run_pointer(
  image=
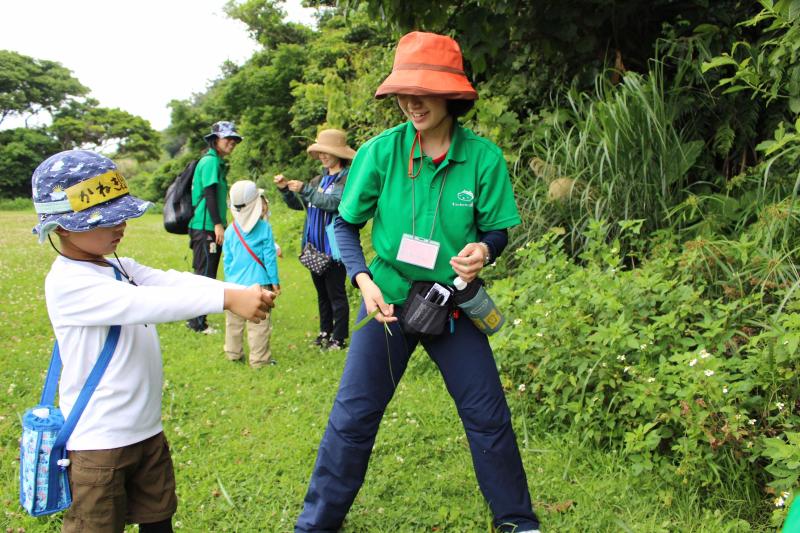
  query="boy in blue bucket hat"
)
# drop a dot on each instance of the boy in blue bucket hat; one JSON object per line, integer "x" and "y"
{"x": 120, "y": 469}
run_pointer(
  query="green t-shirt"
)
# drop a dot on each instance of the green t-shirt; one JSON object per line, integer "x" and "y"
{"x": 210, "y": 169}
{"x": 476, "y": 197}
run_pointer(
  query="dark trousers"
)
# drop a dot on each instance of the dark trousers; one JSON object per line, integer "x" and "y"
{"x": 334, "y": 310}
{"x": 205, "y": 262}
{"x": 467, "y": 365}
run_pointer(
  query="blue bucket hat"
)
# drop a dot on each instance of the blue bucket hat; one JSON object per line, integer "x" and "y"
{"x": 222, "y": 130}
{"x": 79, "y": 191}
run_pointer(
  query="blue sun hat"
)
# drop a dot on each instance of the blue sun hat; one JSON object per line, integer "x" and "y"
{"x": 80, "y": 190}
{"x": 222, "y": 130}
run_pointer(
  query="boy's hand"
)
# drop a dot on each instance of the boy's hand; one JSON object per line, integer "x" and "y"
{"x": 276, "y": 289}
{"x": 251, "y": 304}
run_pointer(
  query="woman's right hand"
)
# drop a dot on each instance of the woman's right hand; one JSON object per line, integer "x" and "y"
{"x": 373, "y": 299}
{"x": 280, "y": 181}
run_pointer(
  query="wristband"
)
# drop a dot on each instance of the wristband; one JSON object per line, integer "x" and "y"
{"x": 486, "y": 253}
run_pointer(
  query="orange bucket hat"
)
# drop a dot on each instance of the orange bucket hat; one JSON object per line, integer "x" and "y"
{"x": 428, "y": 64}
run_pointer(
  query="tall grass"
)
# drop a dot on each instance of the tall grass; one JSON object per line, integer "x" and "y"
{"x": 614, "y": 155}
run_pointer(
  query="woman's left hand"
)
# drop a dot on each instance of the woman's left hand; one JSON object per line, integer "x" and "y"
{"x": 469, "y": 261}
{"x": 295, "y": 185}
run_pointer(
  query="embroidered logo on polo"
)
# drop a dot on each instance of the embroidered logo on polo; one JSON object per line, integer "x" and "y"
{"x": 465, "y": 199}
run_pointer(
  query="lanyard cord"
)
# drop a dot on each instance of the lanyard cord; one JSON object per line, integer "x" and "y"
{"x": 104, "y": 261}
{"x": 414, "y": 208}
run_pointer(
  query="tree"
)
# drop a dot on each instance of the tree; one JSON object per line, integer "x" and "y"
{"x": 85, "y": 125}
{"x": 21, "y": 151}
{"x": 29, "y": 85}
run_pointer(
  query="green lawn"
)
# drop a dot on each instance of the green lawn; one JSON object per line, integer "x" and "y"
{"x": 244, "y": 441}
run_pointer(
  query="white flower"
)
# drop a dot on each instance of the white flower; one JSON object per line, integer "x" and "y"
{"x": 724, "y": 390}
{"x": 521, "y": 387}
{"x": 709, "y": 373}
{"x": 604, "y": 365}
{"x": 549, "y": 276}
{"x": 785, "y": 343}
{"x": 651, "y": 380}
{"x": 540, "y": 334}
{"x": 779, "y": 405}
{"x": 643, "y": 346}
{"x": 626, "y": 369}
{"x": 693, "y": 362}
{"x": 399, "y": 459}
{"x": 752, "y": 421}
{"x": 538, "y": 300}
{"x": 704, "y": 354}
{"x": 620, "y": 358}
{"x": 779, "y": 502}
{"x": 517, "y": 321}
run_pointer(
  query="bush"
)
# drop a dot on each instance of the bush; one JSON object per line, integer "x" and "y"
{"x": 643, "y": 360}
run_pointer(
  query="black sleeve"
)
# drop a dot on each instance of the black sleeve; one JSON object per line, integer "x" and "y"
{"x": 347, "y": 237}
{"x": 496, "y": 240}
{"x": 293, "y": 201}
{"x": 210, "y": 194}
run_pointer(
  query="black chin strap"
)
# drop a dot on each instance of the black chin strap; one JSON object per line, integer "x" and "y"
{"x": 103, "y": 262}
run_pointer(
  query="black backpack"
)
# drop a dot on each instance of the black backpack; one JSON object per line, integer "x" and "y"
{"x": 178, "y": 208}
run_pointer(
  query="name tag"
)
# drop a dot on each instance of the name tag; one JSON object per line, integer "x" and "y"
{"x": 417, "y": 251}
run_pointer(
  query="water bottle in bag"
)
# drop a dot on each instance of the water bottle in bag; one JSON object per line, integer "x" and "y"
{"x": 473, "y": 299}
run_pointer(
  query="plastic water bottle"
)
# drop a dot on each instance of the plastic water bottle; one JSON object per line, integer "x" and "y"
{"x": 479, "y": 307}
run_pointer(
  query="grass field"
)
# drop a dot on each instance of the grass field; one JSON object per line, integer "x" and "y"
{"x": 244, "y": 441}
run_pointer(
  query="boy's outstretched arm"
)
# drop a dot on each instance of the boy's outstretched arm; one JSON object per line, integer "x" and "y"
{"x": 251, "y": 303}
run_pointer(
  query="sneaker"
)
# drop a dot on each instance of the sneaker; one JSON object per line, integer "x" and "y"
{"x": 337, "y": 344}
{"x": 196, "y": 325}
{"x": 209, "y": 331}
{"x": 322, "y": 339}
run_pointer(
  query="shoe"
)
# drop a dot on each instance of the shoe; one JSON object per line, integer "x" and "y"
{"x": 209, "y": 331}
{"x": 322, "y": 339}
{"x": 197, "y": 324}
{"x": 337, "y": 344}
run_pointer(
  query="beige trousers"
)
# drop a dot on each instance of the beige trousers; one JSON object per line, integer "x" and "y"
{"x": 257, "y": 339}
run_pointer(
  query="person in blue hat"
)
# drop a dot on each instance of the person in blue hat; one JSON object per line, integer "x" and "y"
{"x": 120, "y": 467}
{"x": 209, "y": 197}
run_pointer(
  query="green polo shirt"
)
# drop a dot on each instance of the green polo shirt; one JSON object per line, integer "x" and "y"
{"x": 210, "y": 169}
{"x": 476, "y": 197}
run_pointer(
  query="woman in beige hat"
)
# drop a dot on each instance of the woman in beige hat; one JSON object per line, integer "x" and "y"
{"x": 320, "y": 198}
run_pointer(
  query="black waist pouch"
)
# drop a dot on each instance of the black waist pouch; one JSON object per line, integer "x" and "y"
{"x": 422, "y": 316}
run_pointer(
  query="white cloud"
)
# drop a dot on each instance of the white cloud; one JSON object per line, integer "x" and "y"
{"x": 133, "y": 55}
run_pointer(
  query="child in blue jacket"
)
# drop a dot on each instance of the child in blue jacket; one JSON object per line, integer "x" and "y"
{"x": 249, "y": 257}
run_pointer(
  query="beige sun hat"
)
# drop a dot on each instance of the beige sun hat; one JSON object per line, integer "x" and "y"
{"x": 332, "y": 142}
{"x": 246, "y": 204}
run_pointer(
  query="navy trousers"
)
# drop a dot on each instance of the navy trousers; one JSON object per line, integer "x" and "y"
{"x": 467, "y": 365}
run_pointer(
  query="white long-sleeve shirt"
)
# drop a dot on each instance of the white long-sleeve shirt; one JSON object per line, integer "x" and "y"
{"x": 83, "y": 301}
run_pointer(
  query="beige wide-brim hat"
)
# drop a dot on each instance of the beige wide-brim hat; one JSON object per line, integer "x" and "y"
{"x": 332, "y": 142}
{"x": 246, "y": 203}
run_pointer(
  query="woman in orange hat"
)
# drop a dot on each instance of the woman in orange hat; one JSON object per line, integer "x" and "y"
{"x": 441, "y": 202}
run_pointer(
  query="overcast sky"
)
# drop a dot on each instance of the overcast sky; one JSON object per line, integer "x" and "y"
{"x": 135, "y": 55}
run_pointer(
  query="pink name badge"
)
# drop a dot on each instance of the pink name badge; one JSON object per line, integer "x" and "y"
{"x": 417, "y": 251}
